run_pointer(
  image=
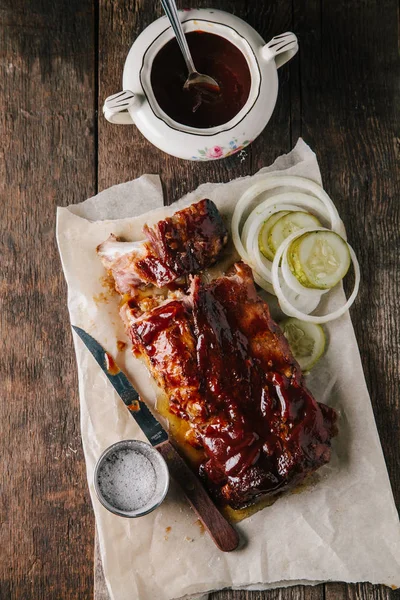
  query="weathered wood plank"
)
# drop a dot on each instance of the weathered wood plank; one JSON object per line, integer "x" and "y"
{"x": 124, "y": 153}
{"x": 359, "y": 591}
{"x": 350, "y": 115}
{"x": 47, "y": 158}
{"x": 349, "y": 73}
{"x": 340, "y": 94}
{"x": 297, "y": 592}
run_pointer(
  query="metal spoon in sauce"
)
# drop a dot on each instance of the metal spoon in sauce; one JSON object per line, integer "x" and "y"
{"x": 204, "y": 85}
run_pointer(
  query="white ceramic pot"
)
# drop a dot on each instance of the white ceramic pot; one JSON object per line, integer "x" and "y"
{"x": 137, "y": 103}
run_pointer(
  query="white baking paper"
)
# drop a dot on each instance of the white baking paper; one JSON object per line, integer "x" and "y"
{"x": 343, "y": 528}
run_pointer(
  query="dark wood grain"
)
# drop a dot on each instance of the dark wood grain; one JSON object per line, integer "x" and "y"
{"x": 294, "y": 593}
{"x": 350, "y": 114}
{"x": 47, "y": 157}
{"x": 340, "y": 93}
{"x": 320, "y": 66}
{"x": 359, "y": 591}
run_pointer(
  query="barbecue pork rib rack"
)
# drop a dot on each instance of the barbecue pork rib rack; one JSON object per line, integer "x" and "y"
{"x": 224, "y": 364}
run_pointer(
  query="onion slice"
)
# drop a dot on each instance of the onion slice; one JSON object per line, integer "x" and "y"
{"x": 299, "y": 202}
{"x": 276, "y": 181}
{"x": 293, "y": 283}
{"x": 316, "y": 200}
{"x": 262, "y": 266}
{"x": 250, "y": 235}
{"x": 259, "y": 262}
{"x": 265, "y": 285}
{"x": 301, "y": 302}
{"x": 285, "y": 303}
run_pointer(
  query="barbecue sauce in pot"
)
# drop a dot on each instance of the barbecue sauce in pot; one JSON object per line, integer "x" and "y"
{"x": 213, "y": 55}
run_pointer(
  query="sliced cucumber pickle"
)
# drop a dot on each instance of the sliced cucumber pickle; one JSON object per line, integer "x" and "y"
{"x": 319, "y": 259}
{"x": 264, "y": 233}
{"x": 288, "y": 224}
{"x": 306, "y": 341}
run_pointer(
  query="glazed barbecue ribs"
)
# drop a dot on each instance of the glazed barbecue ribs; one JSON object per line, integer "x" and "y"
{"x": 185, "y": 243}
{"x": 227, "y": 370}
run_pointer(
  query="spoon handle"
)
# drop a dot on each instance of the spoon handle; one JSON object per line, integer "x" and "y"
{"x": 171, "y": 11}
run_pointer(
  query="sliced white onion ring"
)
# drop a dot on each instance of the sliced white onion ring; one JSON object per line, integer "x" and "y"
{"x": 293, "y": 283}
{"x": 304, "y": 299}
{"x": 272, "y": 182}
{"x": 262, "y": 266}
{"x": 301, "y": 302}
{"x": 304, "y": 304}
{"x": 259, "y": 262}
{"x": 285, "y": 303}
{"x": 265, "y": 285}
{"x": 301, "y": 201}
{"x": 250, "y": 234}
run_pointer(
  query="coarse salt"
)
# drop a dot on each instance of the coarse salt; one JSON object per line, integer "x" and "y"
{"x": 127, "y": 480}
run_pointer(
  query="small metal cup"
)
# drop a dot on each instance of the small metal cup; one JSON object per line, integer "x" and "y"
{"x": 161, "y": 474}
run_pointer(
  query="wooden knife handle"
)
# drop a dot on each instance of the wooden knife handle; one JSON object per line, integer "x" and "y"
{"x": 222, "y": 532}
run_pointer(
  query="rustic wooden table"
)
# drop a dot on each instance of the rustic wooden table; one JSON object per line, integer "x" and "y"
{"x": 59, "y": 60}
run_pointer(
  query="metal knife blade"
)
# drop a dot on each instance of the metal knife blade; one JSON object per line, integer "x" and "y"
{"x": 152, "y": 428}
{"x": 222, "y": 532}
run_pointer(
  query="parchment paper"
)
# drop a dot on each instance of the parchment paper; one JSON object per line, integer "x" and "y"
{"x": 344, "y": 527}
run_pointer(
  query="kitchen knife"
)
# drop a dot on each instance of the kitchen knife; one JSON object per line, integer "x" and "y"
{"x": 223, "y": 534}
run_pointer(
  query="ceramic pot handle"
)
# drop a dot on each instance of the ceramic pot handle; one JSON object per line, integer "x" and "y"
{"x": 115, "y": 108}
{"x": 281, "y": 48}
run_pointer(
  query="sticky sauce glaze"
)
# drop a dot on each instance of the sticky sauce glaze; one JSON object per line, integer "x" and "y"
{"x": 236, "y": 391}
{"x": 111, "y": 366}
{"x": 213, "y": 55}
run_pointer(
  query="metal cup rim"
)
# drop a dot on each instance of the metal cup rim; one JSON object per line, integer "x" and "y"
{"x": 137, "y": 445}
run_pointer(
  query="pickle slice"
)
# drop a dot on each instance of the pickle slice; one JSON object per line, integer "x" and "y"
{"x": 306, "y": 340}
{"x": 288, "y": 224}
{"x": 264, "y": 233}
{"x": 319, "y": 259}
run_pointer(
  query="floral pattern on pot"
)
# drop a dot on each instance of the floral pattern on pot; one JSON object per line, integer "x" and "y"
{"x": 215, "y": 152}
